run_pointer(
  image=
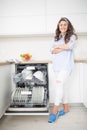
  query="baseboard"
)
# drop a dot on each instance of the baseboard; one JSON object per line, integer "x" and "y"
{"x": 71, "y": 104}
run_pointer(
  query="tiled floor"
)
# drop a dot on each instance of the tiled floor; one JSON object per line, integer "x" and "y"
{"x": 76, "y": 119}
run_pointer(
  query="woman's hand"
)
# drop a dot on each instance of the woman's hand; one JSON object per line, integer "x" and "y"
{"x": 59, "y": 48}
{"x": 56, "y": 50}
{"x": 64, "y": 46}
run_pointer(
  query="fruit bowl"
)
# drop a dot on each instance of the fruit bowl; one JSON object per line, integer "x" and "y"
{"x": 26, "y": 56}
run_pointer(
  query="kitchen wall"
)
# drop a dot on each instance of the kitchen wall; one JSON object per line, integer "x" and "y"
{"x": 38, "y": 46}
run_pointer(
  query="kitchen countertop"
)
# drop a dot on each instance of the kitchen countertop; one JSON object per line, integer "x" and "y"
{"x": 25, "y": 62}
{"x": 39, "y": 61}
{"x": 81, "y": 60}
{"x": 4, "y": 63}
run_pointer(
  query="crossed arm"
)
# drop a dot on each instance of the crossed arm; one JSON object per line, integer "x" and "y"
{"x": 60, "y": 48}
{"x": 69, "y": 46}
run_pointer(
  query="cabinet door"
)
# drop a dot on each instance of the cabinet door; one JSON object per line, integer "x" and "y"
{"x": 22, "y": 18}
{"x": 5, "y": 88}
{"x": 84, "y": 82}
{"x": 54, "y": 10}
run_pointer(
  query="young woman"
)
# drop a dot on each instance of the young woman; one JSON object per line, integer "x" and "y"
{"x": 63, "y": 62}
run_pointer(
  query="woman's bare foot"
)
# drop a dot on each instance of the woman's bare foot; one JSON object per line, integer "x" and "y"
{"x": 66, "y": 107}
{"x": 55, "y": 109}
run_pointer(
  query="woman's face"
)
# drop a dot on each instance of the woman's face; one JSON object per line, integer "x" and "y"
{"x": 63, "y": 26}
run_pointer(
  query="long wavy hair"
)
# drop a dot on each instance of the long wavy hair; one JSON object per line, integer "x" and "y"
{"x": 70, "y": 31}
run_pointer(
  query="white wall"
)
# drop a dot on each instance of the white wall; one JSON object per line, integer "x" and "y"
{"x": 38, "y": 46}
{"x": 40, "y": 16}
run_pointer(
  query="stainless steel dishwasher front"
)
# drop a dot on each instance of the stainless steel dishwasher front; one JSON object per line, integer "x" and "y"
{"x": 31, "y": 92}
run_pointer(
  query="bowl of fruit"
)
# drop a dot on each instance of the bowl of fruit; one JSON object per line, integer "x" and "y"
{"x": 25, "y": 56}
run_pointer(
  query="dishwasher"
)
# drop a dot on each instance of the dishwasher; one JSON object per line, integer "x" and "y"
{"x": 31, "y": 91}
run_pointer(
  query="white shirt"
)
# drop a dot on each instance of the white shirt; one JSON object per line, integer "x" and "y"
{"x": 63, "y": 60}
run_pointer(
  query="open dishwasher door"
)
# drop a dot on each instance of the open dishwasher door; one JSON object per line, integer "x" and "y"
{"x": 31, "y": 93}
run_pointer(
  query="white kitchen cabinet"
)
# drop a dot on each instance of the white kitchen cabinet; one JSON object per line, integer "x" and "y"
{"x": 72, "y": 83}
{"x": 5, "y": 87}
{"x": 22, "y": 17}
{"x": 83, "y": 82}
{"x": 53, "y": 19}
{"x": 56, "y": 9}
{"x": 40, "y": 16}
{"x": 33, "y": 24}
{"x": 60, "y": 7}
